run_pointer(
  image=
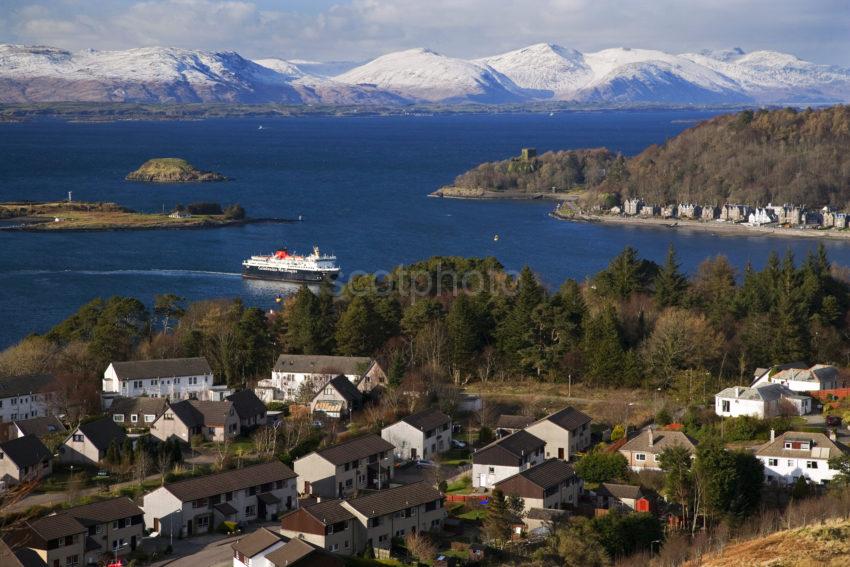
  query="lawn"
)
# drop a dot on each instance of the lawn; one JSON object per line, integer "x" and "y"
{"x": 474, "y": 515}
{"x": 455, "y": 457}
{"x": 463, "y": 485}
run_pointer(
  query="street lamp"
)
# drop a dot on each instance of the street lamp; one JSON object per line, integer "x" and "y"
{"x": 171, "y": 526}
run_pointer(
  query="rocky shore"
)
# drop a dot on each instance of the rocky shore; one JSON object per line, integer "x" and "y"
{"x": 172, "y": 170}
{"x": 486, "y": 194}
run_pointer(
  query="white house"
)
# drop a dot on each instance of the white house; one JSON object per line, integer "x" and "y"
{"x": 506, "y": 457}
{"x": 794, "y": 454}
{"x": 172, "y": 378}
{"x": 761, "y": 216}
{"x": 763, "y": 401}
{"x": 292, "y": 371}
{"x": 421, "y": 435}
{"x": 251, "y": 549}
{"x": 798, "y": 378}
{"x": 25, "y": 397}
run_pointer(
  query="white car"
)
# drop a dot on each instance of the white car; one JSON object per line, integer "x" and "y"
{"x": 458, "y": 444}
{"x": 423, "y": 463}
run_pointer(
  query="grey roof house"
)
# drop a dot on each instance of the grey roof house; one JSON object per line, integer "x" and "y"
{"x": 89, "y": 442}
{"x": 345, "y": 468}
{"x": 421, "y": 435}
{"x": 23, "y": 459}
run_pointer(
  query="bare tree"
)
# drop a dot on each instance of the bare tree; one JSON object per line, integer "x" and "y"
{"x": 265, "y": 441}
{"x": 222, "y": 453}
{"x": 420, "y": 546}
{"x": 163, "y": 463}
{"x": 141, "y": 466}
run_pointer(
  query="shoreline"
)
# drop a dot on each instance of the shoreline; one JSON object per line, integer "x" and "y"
{"x": 716, "y": 228}
{"x": 43, "y": 226}
{"x": 463, "y": 193}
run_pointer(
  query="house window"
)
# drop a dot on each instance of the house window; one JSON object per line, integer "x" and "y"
{"x": 250, "y": 510}
{"x": 726, "y": 407}
{"x": 149, "y": 418}
{"x": 203, "y": 522}
{"x": 640, "y": 457}
{"x": 811, "y": 464}
{"x": 78, "y": 437}
{"x": 773, "y": 462}
{"x": 329, "y": 391}
{"x": 491, "y": 470}
{"x": 134, "y": 418}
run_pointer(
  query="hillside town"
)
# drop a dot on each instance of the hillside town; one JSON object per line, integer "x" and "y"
{"x": 308, "y": 468}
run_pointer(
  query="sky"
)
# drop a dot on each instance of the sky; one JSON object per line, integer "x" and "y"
{"x": 358, "y": 30}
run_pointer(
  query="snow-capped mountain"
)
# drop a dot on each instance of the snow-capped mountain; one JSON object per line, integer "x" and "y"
{"x": 424, "y": 75}
{"x": 535, "y": 73}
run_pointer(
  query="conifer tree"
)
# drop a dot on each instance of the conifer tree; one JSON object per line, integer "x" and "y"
{"x": 302, "y": 329}
{"x": 497, "y": 522}
{"x": 602, "y": 347}
{"x": 464, "y": 337}
{"x": 670, "y": 284}
{"x": 514, "y": 331}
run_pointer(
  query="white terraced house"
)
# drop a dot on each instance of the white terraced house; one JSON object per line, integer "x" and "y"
{"x": 173, "y": 378}
{"x": 764, "y": 401}
{"x": 794, "y": 454}
{"x": 292, "y": 371}
{"x": 795, "y": 376}
{"x": 25, "y": 397}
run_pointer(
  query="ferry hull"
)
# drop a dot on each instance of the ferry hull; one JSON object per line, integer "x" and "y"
{"x": 255, "y": 273}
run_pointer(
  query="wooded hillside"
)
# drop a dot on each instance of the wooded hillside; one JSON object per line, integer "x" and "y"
{"x": 751, "y": 157}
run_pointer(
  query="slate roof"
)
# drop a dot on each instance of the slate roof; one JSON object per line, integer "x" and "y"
{"x": 568, "y": 418}
{"x": 25, "y": 384}
{"x": 56, "y": 526}
{"x": 391, "y": 500}
{"x": 41, "y": 426}
{"x": 661, "y": 440}
{"x": 621, "y": 491}
{"x": 142, "y": 405}
{"x": 316, "y": 364}
{"x": 228, "y": 481}
{"x": 545, "y": 514}
{"x": 104, "y": 511}
{"x": 762, "y": 392}
{"x": 25, "y": 451}
{"x": 508, "y": 450}
{"x": 507, "y": 421}
{"x": 328, "y": 511}
{"x": 822, "y": 446}
{"x": 547, "y": 474}
{"x": 816, "y": 374}
{"x": 427, "y": 419}
{"x": 196, "y": 413}
{"x": 297, "y": 552}
{"x": 357, "y": 448}
{"x": 101, "y": 432}
{"x": 247, "y": 404}
{"x": 345, "y": 388}
{"x": 164, "y": 368}
{"x": 257, "y": 541}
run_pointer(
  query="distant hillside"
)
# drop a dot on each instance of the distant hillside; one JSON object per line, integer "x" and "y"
{"x": 824, "y": 545}
{"x": 777, "y": 156}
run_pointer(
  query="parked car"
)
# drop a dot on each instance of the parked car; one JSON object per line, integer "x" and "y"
{"x": 458, "y": 444}
{"x": 424, "y": 463}
{"x": 833, "y": 421}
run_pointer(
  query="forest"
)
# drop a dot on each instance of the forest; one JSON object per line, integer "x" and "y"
{"x": 457, "y": 321}
{"x": 751, "y": 157}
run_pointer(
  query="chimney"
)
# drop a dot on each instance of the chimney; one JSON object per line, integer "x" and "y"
{"x": 772, "y": 435}
{"x": 651, "y": 436}
{"x": 737, "y": 391}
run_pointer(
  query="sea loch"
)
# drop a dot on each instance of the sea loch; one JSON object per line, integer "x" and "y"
{"x": 360, "y": 185}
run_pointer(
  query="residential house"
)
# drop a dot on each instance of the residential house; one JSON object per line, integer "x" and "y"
{"x": 613, "y": 496}
{"x": 551, "y": 484}
{"x": 761, "y": 216}
{"x": 250, "y": 409}
{"x": 199, "y": 505}
{"x": 374, "y": 378}
{"x": 632, "y": 207}
{"x": 566, "y": 432}
{"x": 299, "y": 553}
{"x": 340, "y": 470}
{"x": 41, "y": 427}
{"x": 734, "y": 213}
{"x": 689, "y": 211}
{"x": 214, "y": 421}
{"x": 337, "y": 399}
{"x": 709, "y": 213}
{"x": 136, "y": 412}
{"x": 818, "y": 377}
{"x": 394, "y": 513}
{"x": 324, "y": 523}
{"x": 794, "y": 454}
{"x": 24, "y": 459}
{"x": 297, "y": 375}
{"x": 50, "y": 541}
{"x": 507, "y": 424}
{"x": 88, "y": 443}
{"x": 649, "y": 211}
{"x": 25, "y": 397}
{"x": 763, "y": 401}
{"x": 669, "y": 211}
{"x": 506, "y": 457}
{"x": 250, "y": 550}
{"x": 114, "y": 527}
{"x": 642, "y": 450}
{"x": 172, "y": 378}
{"x": 421, "y": 435}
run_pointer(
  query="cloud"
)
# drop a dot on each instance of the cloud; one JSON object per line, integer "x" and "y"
{"x": 361, "y": 29}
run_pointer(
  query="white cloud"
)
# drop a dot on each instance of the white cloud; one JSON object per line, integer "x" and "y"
{"x": 360, "y": 29}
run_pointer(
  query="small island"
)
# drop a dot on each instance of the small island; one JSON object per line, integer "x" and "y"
{"x": 83, "y": 216}
{"x": 172, "y": 170}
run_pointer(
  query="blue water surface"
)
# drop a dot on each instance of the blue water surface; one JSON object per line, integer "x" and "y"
{"x": 359, "y": 183}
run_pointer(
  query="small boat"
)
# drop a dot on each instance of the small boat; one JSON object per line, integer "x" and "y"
{"x": 260, "y": 127}
{"x": 496, "y": 238}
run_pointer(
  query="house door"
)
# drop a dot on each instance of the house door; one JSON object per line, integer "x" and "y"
{"x": 307, "y": 488}
{"x": 261, "y": 510}
{"x": 189, "y": 527}
{"x": 482, "y": 480}
{"x": 561, "y": 453}
{"x": 133, "y": 543}
{"x": 156, "y": 525}
{"x": 413, "y": 453}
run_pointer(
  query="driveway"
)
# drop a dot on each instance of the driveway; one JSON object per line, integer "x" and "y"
{"x": 209, "y": 550}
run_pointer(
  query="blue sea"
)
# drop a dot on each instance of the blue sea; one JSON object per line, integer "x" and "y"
{"x": 360, "y": 185}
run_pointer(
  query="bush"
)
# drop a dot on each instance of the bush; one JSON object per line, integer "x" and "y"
{"x": 618, "y": 432}
{"x": 234, "y": 212}
{"x": 227, "y": 527}
{"x": 663, "y": 417}
{"x": 485, "y": 435}
{"x": 599, "y": 466}
{"x": 204, "y": 208}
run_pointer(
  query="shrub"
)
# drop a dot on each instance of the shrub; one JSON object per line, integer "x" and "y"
{"x": 618, "y": 432}
{"x": 234, "y": 212}
{"x": 599, "y": 466}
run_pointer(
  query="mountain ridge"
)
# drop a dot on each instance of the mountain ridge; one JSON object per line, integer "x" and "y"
{"x": 535, "y": 73}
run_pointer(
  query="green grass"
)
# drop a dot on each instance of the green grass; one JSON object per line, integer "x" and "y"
{"x": 473, "y": 515}
{"x": 461, "y": 486}
{"x": 455, "y": 457}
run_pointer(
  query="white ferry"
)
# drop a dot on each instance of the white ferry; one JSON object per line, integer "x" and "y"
{"x": 289, "y": 267}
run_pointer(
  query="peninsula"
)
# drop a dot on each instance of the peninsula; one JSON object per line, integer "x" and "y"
{"x": 82, "y": 216}
{"x": 172, "y": 170}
